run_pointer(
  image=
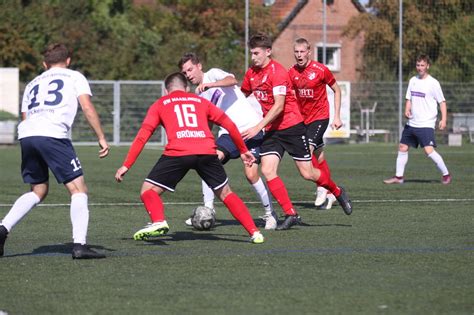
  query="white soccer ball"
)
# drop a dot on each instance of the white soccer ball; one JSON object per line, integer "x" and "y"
{"x": 203, "y": 218}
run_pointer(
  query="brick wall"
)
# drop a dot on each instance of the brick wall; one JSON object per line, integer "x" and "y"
{"x": 309, "y": 24}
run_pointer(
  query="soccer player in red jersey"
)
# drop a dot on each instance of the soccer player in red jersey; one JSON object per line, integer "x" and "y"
{"x": 285, "y": 130}
{"x": 190, "y": 145}
{"x": 309, "y": 79}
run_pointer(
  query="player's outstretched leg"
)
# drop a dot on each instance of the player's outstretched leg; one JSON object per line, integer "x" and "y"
{"x": 280, "y": 193}
{"x": 152, "y": 230}
{"x": 338, "y": 192}
{"x": 344, "y": 201}
{"x": 241, "y": 213}
{"x": 270, "y": 218}
{"x": 288, "y": 222}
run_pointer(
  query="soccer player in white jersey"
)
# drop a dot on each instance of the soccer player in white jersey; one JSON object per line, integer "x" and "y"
{"x": 220, "y": 88}
{"x": 423, "y": 96}
{"x": 48, "y": 109}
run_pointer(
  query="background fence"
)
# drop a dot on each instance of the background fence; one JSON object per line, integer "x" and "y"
{"x": 122, "y": 105}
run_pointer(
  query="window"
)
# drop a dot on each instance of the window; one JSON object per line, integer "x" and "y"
{"x": 333, "y": 55}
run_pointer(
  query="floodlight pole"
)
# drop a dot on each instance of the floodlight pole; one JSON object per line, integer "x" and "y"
{"x": 246, "y": 35}
{"x": 400, "y": 68}
{"x": 324, "y": 32}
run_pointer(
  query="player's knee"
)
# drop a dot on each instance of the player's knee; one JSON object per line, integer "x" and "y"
{"x": 428, "y": 150}
{"x": 40, "y": 190}
{"x": 252, "y": 176}
{"x": 146, "y": 186}
{"x": 308, "y": 175}
{"x": 223, "y": 192}
{"x": 402, "y": 147}
{"x": 269, "y": 170}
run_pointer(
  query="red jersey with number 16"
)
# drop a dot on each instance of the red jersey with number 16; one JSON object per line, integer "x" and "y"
{"x": 309, "y": 84}
{"x": 266, "y": 82}
{"x": 185, "y": 118}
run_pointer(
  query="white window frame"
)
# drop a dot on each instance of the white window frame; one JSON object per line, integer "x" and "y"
{"x": 335, "y": 64}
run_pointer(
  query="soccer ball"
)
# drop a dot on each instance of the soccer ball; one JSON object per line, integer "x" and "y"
{"x": 203, "y": 218}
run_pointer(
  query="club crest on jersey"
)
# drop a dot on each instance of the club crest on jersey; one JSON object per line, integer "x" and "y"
{"x": 312, "y": 75}
{"x": 261, "y": 95}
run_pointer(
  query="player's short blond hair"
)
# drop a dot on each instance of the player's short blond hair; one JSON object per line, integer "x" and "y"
{"x": 303, "y": 41}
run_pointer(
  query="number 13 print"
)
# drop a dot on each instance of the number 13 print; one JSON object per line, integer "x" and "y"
{"x": 55, "y": 87}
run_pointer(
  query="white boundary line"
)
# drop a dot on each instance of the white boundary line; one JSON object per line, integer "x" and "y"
{"x": 125, "y": 204}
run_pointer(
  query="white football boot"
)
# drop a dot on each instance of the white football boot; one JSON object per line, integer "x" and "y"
{"x": 271, "y": 220}
{"x": 329, "y": 202}
{"x": 321, "y": 195}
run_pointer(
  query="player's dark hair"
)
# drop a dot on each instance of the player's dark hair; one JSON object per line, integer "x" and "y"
{"x": 186, "y": 57}
{"x": 176, "y": 80}
{"x": 260, "y": 40}
{"x": 56, "y": 53}
{"x": 423, "y": 57}
{"x": 303, "y": 41}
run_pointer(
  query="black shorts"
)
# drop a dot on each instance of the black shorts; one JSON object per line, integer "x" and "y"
{"x": 293, "y": 140}
{"x": 415, "y": 137}
{"x": 315, "y": 132}
{"x": 227, "y": 146}
{"x": 170, "y": 170}
{"x": 40, "y": 153}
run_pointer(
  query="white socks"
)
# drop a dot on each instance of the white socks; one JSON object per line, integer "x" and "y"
{"x": 79, "y": 217}
{"x": 438, "y": 160}
{"x": 208, "y": 195}
{"x": 79, "y": 214}
{"x": 20, "y": 208}
{"x": 402, "y": 160}
{"x": 262, "y": 193}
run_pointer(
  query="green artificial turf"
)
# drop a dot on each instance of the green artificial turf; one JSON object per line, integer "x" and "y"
{"x": 406, "y": 249}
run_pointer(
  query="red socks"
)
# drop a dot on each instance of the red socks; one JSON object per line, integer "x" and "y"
{"x": 279, "y": 192}
{"x": 239, "y": 211}
{"x": 153, "y": 205}
{"x": 324, "y": 167}
{"x": 326, "y": 182}
{"x": 314, "y": 161}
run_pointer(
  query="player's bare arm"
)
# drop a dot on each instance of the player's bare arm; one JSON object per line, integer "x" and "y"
{"x": 337, "y": 123}
{"x": 227, "y": 81}
{"x": 93, "y": 119}
{"x": 408, "y": 109}
{"x": 120, "y": 173}
{"x": 444, "y": 114}
{"x": 272, "y": 114}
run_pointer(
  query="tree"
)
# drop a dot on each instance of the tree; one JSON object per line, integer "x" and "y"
{"x": 432, "y": 27}
{"x": 117, "y": 40}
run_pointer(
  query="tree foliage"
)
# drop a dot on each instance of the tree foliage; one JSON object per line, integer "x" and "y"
{"x": 439, "y": 28}
{"x": 119, "y": 40}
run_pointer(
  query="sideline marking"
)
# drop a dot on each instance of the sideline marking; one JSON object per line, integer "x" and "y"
{"x": 276, "y": 251}
{"x": 125, "y": 204}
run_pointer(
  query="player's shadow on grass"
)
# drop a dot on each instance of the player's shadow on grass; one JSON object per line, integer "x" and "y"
{"x": 421, "y": 181}
{"x": 191, "y": 235}
{"x": 58, "y": 250}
